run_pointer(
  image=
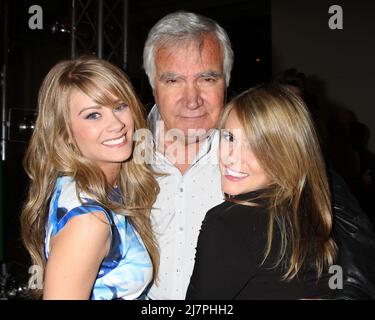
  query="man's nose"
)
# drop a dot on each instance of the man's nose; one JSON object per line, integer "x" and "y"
{"x": 193, "y": 96}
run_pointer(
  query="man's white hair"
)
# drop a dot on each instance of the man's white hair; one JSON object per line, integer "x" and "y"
{"x": 180, "y": 27}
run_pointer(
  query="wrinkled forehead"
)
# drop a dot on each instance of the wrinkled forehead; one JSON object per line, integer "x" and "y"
{"x": 203, "y": 43}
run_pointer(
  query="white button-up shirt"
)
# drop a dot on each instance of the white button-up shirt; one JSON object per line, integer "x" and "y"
{"x": 179, "y": 210}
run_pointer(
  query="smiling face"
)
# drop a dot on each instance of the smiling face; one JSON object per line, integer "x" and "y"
{"x": 190, "y": 85}
{"x": 102, "y": 134}
{"x": 240, "y": 170}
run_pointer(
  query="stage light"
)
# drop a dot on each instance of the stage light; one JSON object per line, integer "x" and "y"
{"x": 60, "y": 28}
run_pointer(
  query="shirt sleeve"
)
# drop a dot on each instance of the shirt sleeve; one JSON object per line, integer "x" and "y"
{"x": 223, "y": 263}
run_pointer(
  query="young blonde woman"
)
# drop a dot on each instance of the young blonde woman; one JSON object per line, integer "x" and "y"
{"x": 86, "y": 219}
{"x": 271, "y": 237}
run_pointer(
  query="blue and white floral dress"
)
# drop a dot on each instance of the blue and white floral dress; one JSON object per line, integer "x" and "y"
{"x": 126, "y": 272}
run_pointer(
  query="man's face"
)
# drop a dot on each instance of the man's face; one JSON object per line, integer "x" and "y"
{"x": 190, "y": 85}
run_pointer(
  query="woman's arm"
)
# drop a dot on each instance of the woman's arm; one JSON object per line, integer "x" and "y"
{"x": 75, "y": 257}
{"x": 223, "y": 264}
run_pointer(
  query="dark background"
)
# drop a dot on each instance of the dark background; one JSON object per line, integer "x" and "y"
{"x": 31, "y": 53}
{"x": 267, "y": 37}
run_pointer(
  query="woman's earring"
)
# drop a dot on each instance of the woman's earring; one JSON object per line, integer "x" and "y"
{"x": 227, "y": 196}
{"x": 71, "y": 146}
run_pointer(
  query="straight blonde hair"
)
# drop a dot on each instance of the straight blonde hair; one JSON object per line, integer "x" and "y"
{"x": 281, "y": 134}
{"x": 50, "y": 155}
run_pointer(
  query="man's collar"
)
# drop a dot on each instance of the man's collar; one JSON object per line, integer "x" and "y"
{"x": 152, "y": 119}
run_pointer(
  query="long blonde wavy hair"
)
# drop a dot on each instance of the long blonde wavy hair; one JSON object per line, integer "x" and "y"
{"x": 50, "y": 155}
{"x": 280, "y": 132}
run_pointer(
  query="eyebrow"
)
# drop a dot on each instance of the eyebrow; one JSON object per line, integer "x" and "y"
{"x": 168, "y": 75}
{"x": 97, "y": 107}
{"x": 226, "y": 131}
{"x": 209, "y": 73}
{"x": 92, "y": 107}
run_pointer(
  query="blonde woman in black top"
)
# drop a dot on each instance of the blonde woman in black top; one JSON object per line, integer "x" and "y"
{"x": 272, "y": 236}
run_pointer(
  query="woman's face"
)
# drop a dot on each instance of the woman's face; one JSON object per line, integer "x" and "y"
{"x": 103, "y": 134}
{"x": 240, "y": 170}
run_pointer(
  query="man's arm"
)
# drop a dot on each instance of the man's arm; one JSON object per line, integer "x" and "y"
{"x": 355, "y": 238}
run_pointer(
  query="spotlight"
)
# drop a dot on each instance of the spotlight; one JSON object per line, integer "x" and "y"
{"x": 60, "y": 28}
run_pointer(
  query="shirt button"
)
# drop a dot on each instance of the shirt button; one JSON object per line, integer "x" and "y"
{"x": 182, "y": 189}
{"x": 181, "y": 228}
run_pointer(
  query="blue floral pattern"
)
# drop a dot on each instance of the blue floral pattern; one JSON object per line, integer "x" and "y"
{"x": 127, "y": 270}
